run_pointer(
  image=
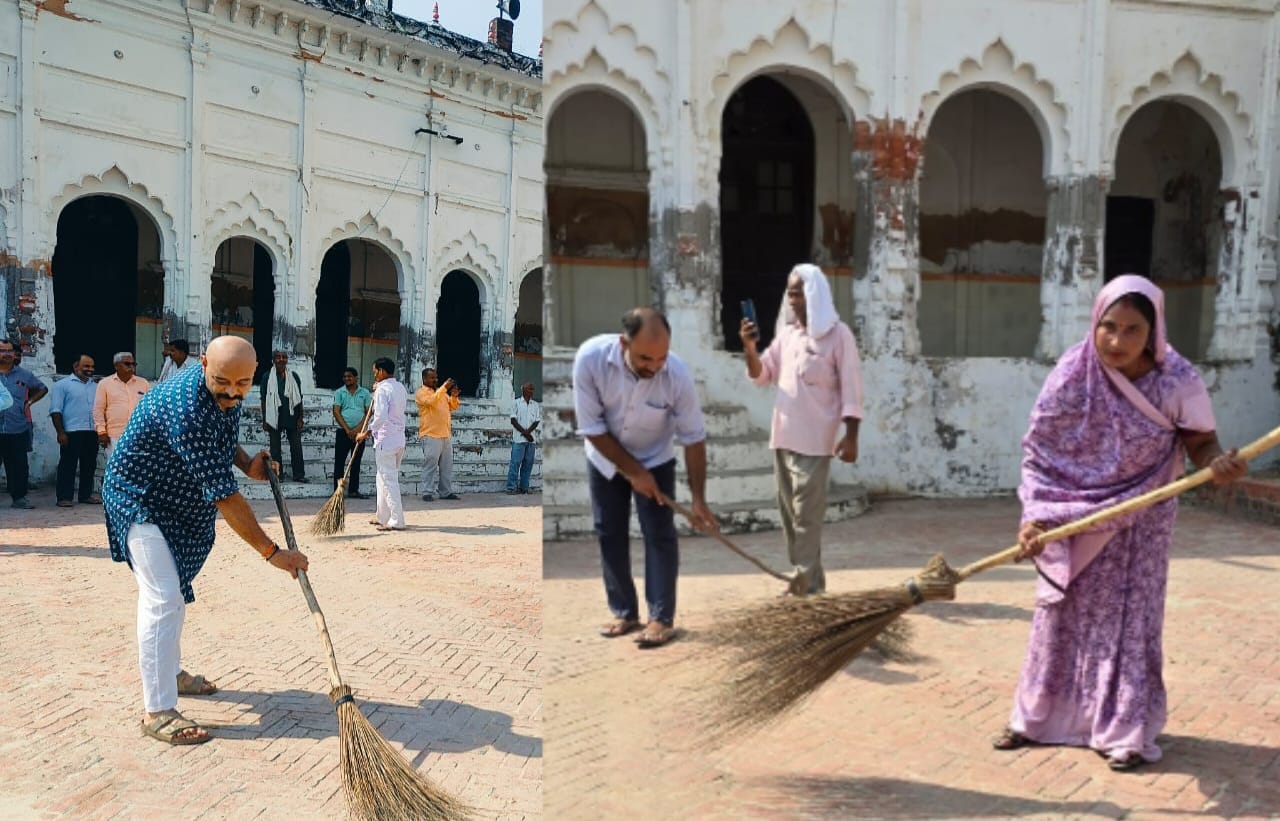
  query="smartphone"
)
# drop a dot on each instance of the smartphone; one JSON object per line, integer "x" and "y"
{"x": 749, "y": 314}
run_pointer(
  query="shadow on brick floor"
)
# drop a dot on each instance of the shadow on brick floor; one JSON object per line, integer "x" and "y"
{"x": 435, "y": 725}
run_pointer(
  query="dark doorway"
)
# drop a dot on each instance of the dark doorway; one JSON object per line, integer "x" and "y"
{"x": 333, "y": 316}
{"x": 102, "y": 287}
{"x": 1130, "y": 221}
{"x": 357, "y": 311}
{"x": 766, "y": 201}
{"x": 528, "y": 334}
{"x": 242, "y": 295}
{"x": 458, "y": 332}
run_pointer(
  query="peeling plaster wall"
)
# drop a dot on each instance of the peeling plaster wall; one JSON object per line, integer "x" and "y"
{"x": 280, "y": 121}
{"x": 1078, "y": 70}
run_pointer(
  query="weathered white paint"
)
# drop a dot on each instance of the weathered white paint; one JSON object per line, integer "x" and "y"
{"x": 280, "y": 121}
{"x": 1079, "y": 70}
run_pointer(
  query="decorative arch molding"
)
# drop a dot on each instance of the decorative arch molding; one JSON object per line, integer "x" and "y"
{"x": 526, "y": 268}
{"x": 594, "y": 74}
{"x": 474, "y": 257}
{"x": 1187, "y": 82}
{"x": 367, "y": 228}
{"x": 115, "y": 182}
{"x": 596, "y": 47}
{"x": 790, "y": 49}
{"x": 998, "y": 70}
{"x": 250, "y": 218}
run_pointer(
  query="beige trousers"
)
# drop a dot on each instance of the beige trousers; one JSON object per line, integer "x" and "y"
{"x": 802, "y": 499}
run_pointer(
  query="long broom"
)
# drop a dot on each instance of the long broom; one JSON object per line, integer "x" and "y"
{"x": 786, "y": 648}
{"x": 793, "y": 582}
{"x": 333, "y": 516}
{"x": 379, "y": 783}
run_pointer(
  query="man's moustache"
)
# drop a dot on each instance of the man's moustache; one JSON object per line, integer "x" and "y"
{"x": 229, "y": 397}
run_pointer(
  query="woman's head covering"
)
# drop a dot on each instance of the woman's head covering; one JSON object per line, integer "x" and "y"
{"x": 1133, "y": 284}
{"x": 819, "y": 306}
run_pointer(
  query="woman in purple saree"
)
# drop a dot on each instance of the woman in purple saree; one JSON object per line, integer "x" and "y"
{"x": 1112, "y": 421}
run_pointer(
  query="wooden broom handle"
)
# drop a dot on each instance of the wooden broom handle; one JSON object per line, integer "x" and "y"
{"x": 1147, "y": 499}
{"x": 351, "y": 457}
{"x": 688, "y": 514}
{"x": 335, "y": 680}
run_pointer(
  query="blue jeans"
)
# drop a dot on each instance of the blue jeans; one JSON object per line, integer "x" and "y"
{"x": 522, "y": 454}
{"x": 611, "y": 511}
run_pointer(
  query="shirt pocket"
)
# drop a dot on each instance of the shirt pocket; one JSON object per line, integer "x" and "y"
{"x": 816, "y": 369}
{"x": 650, "y": 417}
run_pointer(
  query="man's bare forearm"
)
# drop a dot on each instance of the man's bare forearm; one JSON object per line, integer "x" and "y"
{"x": 695, "y": 464}
{"x": 240, "y": 516}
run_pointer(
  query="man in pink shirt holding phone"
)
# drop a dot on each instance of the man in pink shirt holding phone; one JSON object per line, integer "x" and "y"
{"x": 814, "y": 362}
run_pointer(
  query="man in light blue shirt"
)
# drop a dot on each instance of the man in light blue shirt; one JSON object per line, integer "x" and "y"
{"x": 71, "y": 410}
{"x": 632, "y": 397}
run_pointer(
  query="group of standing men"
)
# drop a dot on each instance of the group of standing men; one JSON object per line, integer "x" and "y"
{"x": 633, "y": 397}
{"x": 87, "y": 415}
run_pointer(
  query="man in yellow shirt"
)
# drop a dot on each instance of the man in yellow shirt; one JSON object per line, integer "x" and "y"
{"x": 434, "y": 429}
{"x": 115, "y": 399}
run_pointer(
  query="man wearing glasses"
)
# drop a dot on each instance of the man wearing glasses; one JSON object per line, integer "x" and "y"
{"x": 115, "y": 400}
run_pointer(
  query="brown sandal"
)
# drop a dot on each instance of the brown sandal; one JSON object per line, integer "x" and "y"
{"x": 1011, "y": 739}
{"x": 619, "y": 627}
{"x": 168, "y": 726}
{"x": 189, "y": 685}
{"x": 655, "y": 638}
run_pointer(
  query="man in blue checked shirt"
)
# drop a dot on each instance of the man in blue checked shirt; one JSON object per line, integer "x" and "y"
{"x": 632, "y": 397}
{"x": 71, "y": 410}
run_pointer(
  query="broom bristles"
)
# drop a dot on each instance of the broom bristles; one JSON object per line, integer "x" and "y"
{"x": 332, "y": 517}
{"x": 783, "y": 650}
{"x": 380, "y": 784}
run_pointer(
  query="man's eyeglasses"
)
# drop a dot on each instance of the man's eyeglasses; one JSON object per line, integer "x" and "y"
{"x": 128, "y": 364}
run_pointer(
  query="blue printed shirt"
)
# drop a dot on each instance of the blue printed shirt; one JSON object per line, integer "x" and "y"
{"x": 169, "y": 467}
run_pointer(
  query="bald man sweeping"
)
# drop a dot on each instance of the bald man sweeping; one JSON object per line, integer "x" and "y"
{"x": 166, "y": 481}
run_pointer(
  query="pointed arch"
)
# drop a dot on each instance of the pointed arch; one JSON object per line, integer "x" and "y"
{"x": 999, "y": 70}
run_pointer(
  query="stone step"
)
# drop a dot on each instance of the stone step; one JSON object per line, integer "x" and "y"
{"x": 564, "y": 522}
{"x": 725, "y": 486}
{"x": 319, "y": 449}
{"x": 566, "y": 457}
{"x": 408, "y": 487}
{"x": 721, "y": 421}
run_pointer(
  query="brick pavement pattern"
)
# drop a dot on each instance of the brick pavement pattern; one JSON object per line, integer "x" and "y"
{"x": 437, "y": 629}
{"x": 912, "y": 741}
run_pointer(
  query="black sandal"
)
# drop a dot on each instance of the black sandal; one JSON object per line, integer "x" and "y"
{"x": 1011, "y": 739}
{"x": 1124, "y": 763}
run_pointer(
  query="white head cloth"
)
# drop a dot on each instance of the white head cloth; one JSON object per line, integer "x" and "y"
{"x": 819, "y": 306}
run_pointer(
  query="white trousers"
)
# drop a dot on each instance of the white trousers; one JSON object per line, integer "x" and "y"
{"x": 390, "y": 508}
{"x": 160, "y": 614}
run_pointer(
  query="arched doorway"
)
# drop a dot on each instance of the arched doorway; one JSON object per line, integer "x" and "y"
{"x": 108, "y": 285}
{"x": 597, "y": 214}
{"x": 528, "y": 334}
{"x": 1164, "y": 215}
{"x": 357, "y": 311}
{"x": 982, "y": 226}
{"x": 458, "y": 332}
{"x": 242, "y": 295}
{"x": 766, "y": 201}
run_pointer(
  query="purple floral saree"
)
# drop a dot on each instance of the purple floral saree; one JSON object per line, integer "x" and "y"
{"x": 1093, "y": 672}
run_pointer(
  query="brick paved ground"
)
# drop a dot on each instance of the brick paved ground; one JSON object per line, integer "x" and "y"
{"x": 437, "y": 629}
{"x": 912, "y": 741}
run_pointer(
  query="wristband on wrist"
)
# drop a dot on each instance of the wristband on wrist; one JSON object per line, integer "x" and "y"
{"x": 275, "y": 548}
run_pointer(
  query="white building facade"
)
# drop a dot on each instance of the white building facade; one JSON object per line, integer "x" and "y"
{"x": 319, "y": 176}
{"x": 968, "y": 173}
